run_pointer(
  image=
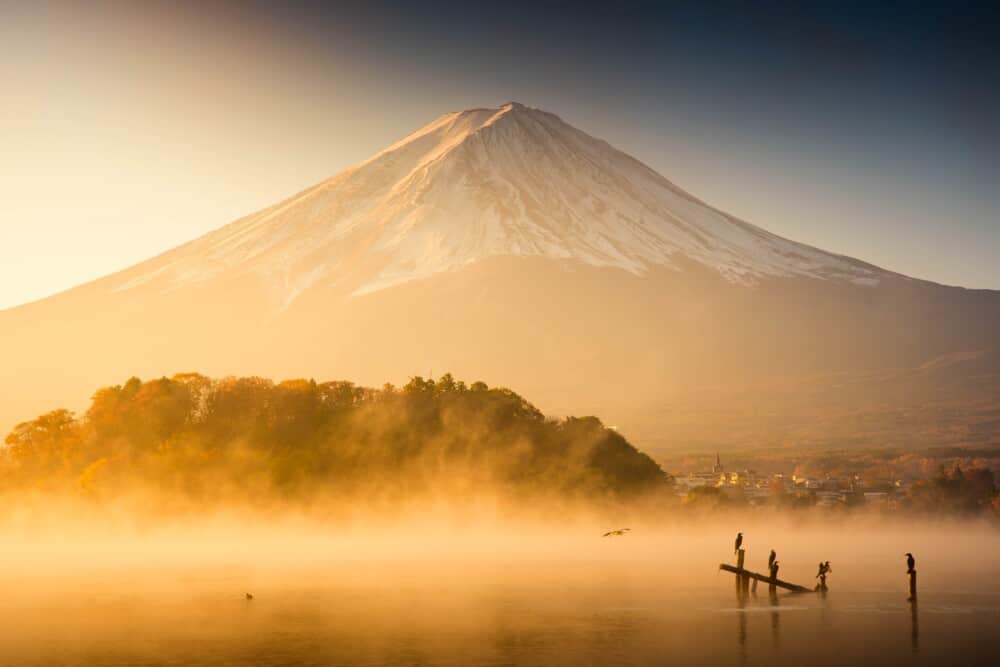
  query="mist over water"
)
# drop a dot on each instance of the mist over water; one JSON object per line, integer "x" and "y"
{"x": 473, "y": 589}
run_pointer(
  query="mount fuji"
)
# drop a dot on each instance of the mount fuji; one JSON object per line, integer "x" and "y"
{"x": 506, "y": 182}
{"x": 506, "y": 245}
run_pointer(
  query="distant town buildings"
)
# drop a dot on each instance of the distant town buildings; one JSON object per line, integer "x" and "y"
{"x": 778, "y": 488}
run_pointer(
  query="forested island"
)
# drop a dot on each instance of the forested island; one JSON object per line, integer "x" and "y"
{"x": 249, "y": 439}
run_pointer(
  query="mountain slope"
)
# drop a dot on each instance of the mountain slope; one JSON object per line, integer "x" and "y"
{"x": 506, "y": 245}
{"x": 483, "y": 183}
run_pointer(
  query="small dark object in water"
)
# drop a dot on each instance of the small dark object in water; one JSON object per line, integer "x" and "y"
{"x": 616, "y": 533}
{"x": 249, "y": 596}
{"x": 824, "y": 569}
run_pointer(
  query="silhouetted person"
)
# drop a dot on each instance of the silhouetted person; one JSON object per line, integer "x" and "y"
{"x": 770, "y": 560}
{"x": 739, "y": 542}
{"x": 911, "y": 563}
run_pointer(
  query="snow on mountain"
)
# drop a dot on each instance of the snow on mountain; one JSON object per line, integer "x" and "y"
{"x": 512, "y": 181}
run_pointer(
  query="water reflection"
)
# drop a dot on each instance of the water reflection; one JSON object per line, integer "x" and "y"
{"x": 773, "y": 601}
{"x": 741, "y": 603}
{"x": 570, "y": 622}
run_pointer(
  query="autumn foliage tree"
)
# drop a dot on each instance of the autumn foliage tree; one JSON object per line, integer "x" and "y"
{"x": 957, "y": 491}
{"x": 193, "y": 437}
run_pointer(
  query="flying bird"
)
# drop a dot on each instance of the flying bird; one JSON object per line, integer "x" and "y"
{"x": 739, "y": 541}
{"x": 616, "y": 533}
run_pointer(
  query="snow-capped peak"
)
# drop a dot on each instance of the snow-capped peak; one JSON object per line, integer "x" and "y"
{"x": 507, "y": 181}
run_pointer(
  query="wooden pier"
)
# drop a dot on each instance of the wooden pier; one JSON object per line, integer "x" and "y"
{"x": 743, "y": 577}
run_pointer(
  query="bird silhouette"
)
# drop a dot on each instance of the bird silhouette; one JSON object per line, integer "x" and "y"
{"x": 739, "y": 541}
{"x": 910, "y": 562}
{"x": 249, "y": 596}
{"x": 616, "y": 533}
{"x": 770, "y": 559}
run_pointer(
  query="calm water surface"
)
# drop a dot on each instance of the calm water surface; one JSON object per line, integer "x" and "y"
{"x": 523, "y": 614}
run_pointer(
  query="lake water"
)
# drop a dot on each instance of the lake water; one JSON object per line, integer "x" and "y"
{"x": 651, "y": 600}
{"x": 505, "y": 618}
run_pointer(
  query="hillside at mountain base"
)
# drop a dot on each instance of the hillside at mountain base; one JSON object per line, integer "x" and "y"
{"x": 191, "y": 442}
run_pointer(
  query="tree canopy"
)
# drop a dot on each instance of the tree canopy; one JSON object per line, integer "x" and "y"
{"x": 206, "y": 439}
